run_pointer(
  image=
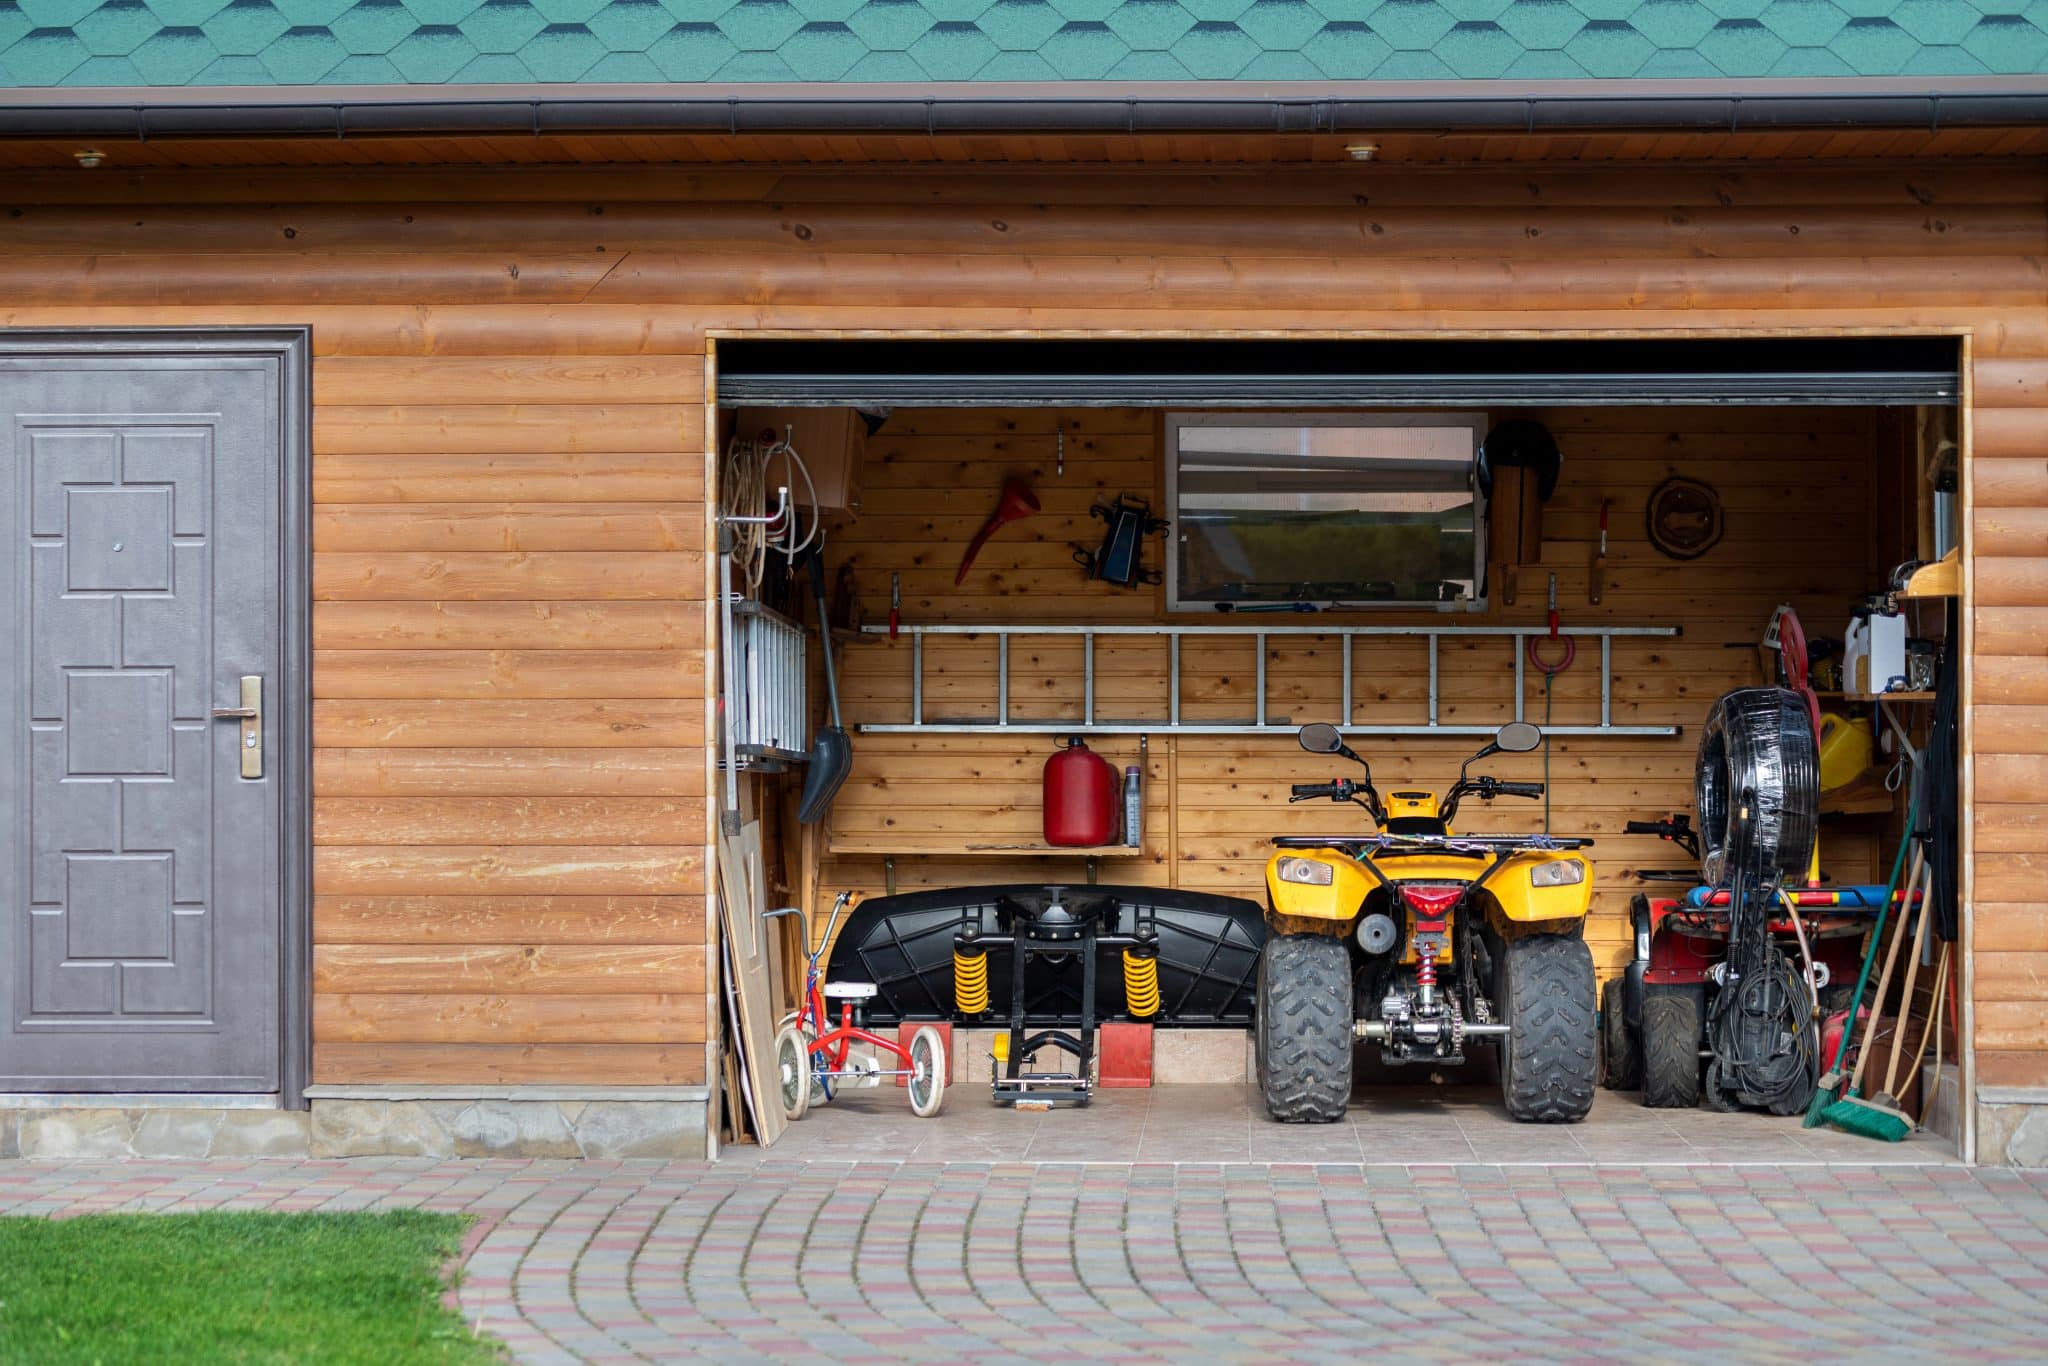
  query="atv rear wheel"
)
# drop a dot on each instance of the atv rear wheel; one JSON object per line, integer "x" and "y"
{"x": 1672, "y": 1025}
{"x": 1304, "y": 1028}
{"x": 1550, "y": 1055}
{"x": 1618, "y": 1044}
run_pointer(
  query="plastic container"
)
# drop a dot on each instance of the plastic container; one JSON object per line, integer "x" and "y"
{"x": 1134, "y": 808}
{"x": 1080, "y": 796}
{"x": 1845, "y": 751}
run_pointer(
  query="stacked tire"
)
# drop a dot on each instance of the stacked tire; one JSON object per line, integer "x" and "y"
{"x": 1756, "y": 787}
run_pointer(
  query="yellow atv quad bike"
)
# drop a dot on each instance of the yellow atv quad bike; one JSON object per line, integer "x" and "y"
{"x": 1426, "y": 942}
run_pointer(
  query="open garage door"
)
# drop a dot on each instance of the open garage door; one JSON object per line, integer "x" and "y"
{"x": 1867, "y": 371}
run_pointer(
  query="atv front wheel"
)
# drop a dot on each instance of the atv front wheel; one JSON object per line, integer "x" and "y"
{"x": 1304, "y": 1028}
{"x": 1672, "y": 1026}
{"x": 1550, "y": 1055}
{"x": 1617, "y": 1043}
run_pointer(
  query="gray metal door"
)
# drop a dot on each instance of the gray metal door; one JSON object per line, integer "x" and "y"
{"x": 140, "y": 567}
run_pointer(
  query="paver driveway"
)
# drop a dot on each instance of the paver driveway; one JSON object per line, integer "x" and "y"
{"x": 1193, "y": 1262}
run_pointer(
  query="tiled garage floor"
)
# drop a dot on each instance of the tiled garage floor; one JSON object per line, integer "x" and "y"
{"x": 1410, "y": 1124}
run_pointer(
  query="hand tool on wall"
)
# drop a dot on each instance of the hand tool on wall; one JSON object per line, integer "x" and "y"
{"x": 895, "y": 605}
{"x": 1016, "y": 503}
{"x": 831, "y": 749}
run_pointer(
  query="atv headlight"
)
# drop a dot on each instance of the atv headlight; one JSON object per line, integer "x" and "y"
{"x": 1307, "y": 872}
{"x": 1565, "y": 872}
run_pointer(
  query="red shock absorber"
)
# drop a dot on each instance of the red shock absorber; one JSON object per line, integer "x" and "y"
{"x": 1425, "y": 975}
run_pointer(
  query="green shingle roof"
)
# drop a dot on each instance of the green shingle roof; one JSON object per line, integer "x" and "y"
{"x": 439, "y": 42}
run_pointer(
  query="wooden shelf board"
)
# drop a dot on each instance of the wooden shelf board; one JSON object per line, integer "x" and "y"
{"x": 1942, "y": 579}
{"x": 878, "y": 850}
{"x": 1877, "y": 696}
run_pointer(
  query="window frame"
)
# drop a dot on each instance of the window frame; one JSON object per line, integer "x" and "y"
{"x": 1176, "y": 422}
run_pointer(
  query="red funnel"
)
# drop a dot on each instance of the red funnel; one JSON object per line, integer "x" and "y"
{"x": 1017, "y": 503}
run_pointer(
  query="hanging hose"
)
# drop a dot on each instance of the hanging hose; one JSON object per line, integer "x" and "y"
{"x": 1141, "y": 981}
{"x": 970, "y": 976}
{"x": 744, "y": 487}
{"x": 1550, "y": 670}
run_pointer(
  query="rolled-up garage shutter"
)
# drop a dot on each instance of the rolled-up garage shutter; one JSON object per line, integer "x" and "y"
{"x": 1911, "y": 372}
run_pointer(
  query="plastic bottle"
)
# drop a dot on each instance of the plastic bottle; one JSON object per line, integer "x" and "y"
{"x": 1080, "y": 796}
{"x": 1134, "y": 808}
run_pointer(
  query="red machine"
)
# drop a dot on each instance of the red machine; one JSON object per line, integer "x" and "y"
{"x": 1653, "y": 1018}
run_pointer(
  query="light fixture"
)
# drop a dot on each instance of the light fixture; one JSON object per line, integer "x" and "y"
{"x": 89, "y": 157}
{"x": 1361, "y": 151}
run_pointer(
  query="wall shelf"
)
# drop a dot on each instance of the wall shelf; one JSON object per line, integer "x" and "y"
{"x": 1942, "y": 579}
{"x": 884, "y": 849}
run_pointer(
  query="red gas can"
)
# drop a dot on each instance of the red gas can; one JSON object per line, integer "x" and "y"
{"x": 1080, "y": 796}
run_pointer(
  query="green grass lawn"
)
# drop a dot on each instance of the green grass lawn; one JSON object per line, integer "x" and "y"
{"x": 232, "y": 1286}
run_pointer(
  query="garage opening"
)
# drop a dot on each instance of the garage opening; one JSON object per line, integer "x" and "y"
{"x": 1084, "y": 597}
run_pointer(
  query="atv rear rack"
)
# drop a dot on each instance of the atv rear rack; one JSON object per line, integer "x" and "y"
{"x": 1469, "y": 846}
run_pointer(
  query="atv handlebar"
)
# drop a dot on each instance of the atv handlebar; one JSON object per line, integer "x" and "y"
{"x": 1304, "y": 791}
{"x": 1520, "y": 789}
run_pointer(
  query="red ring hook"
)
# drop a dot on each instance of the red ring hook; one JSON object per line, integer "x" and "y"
{"x": 1571, "y": 652}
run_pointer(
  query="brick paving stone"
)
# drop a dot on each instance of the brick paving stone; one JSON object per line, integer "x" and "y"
{"x": 1013, "y": 1261}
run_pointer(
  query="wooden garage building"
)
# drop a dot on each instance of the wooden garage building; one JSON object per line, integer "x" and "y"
{"x": 511, "y": 302}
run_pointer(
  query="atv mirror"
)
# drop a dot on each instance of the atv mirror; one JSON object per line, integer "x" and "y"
{"x": 1320, "y": 737}
{"x": 1518, "y": 737}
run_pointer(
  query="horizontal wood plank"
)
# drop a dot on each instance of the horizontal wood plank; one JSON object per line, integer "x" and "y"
{"x": 460, "y": 919}
{"x": 511, "y": 820}
{"x": 454, "y": 674}
{"x": 383, "y": 528}
{"x": 518, "y": 576}
{"x": 495, "y": 1018}
{"x": 388, "y": 870}
{"x": 542, "y": 770}
{"x": 553, "y": 723}
{"x": 519, "y": 969}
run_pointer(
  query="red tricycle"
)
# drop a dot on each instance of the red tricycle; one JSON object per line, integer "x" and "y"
{"x": 812, "y": 1054}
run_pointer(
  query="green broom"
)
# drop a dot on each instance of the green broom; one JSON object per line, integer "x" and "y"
{"x": 1880, "y": 1117}
{"x": 1829, "y": 1091}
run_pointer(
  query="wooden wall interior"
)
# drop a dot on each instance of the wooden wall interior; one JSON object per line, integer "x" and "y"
{"x": 1797, "y": 485}
{"x": 508, "y": 434}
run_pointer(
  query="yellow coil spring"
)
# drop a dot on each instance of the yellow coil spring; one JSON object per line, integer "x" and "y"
{"x": 970, "y": 982}
{"x": 1141, "y": 985}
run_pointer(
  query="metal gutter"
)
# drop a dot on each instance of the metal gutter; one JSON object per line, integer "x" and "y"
{"x": 1250, "y": 108}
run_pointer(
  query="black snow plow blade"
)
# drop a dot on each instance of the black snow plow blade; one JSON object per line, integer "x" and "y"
{"x": 1208, "y": 954}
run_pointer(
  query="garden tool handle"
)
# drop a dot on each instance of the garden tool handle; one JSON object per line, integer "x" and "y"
{"x": 1898, "y": 1049}
{"x": 1884, "y": 980}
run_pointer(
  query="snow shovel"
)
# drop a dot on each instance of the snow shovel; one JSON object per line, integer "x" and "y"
{"x": 831, "y": 750}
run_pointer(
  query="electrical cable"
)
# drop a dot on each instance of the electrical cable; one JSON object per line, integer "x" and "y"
{"x": 745, "y": 485}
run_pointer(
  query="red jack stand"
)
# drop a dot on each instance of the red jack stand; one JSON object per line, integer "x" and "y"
{"x": 1125, "y": 1056}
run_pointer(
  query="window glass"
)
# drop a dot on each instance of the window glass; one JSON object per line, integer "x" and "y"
{"x": 1357, "y": 510}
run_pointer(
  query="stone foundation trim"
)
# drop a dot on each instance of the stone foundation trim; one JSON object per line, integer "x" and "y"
{"x": 612, "y": 1125}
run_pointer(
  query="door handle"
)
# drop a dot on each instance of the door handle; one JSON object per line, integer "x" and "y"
{"x": 250, "y": 714}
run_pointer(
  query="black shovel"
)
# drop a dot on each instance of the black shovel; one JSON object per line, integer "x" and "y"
{"x": 831, "y": 750}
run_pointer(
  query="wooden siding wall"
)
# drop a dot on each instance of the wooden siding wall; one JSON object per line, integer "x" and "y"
{"x": 1797, "y": 484}
{"x": 509, "y": 713}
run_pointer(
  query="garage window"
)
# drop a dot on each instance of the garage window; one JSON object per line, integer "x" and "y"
{"x": 1352, "y": 510}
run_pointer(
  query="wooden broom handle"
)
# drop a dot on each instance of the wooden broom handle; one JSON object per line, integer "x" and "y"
{"x": 1884, "y": 981}
{"x": 1898, "y": 1048}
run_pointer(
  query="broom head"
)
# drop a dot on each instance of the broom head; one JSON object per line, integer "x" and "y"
{"x": 1868, "y": 1119}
